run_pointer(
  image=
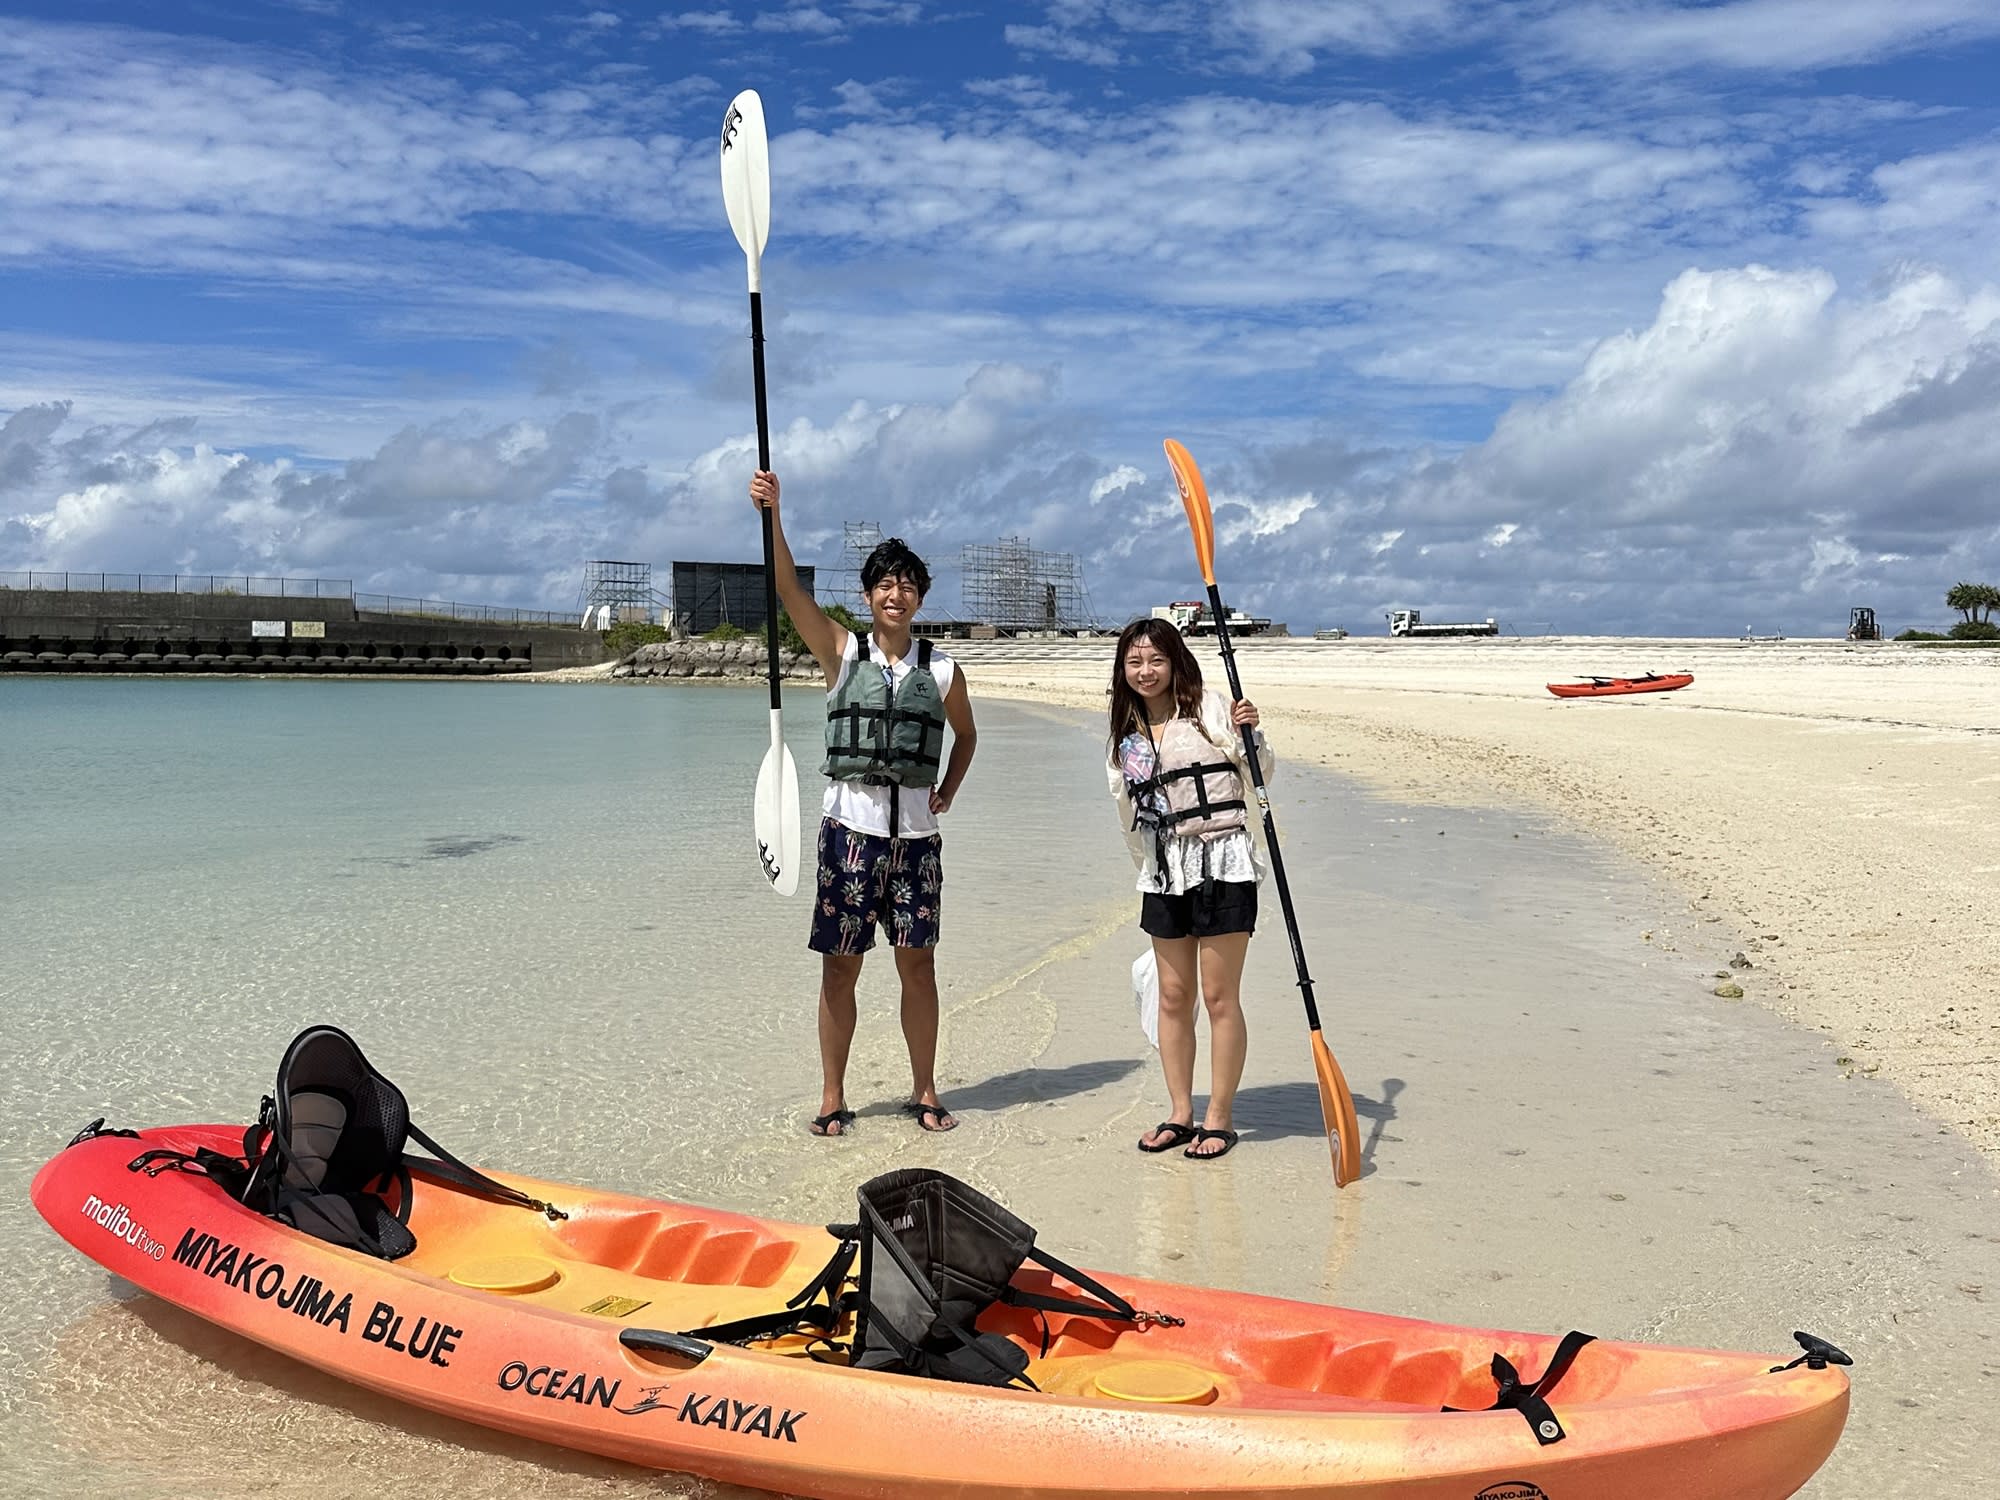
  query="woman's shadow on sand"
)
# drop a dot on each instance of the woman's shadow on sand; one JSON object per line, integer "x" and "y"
{"x": 1274, "y": 1110}
{"x": 1041, "y": 1085}
{"x": 1268, "y": 1112}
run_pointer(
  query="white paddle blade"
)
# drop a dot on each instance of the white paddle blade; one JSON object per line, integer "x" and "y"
{"x": 778, "y": 817}
{"x": 746, "y": 176}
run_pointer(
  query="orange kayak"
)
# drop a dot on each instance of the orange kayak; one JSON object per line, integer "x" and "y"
{"x": 1606, "y": 687}
{"x": 508, "y": 1319}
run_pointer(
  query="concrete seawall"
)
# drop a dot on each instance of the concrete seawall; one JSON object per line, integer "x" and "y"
{"x": 53, "y": 630}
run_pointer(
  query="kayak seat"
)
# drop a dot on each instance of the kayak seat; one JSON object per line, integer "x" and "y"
{"x": 938, "y": 1260}
{"x": 326, "y": 1155}
{"x": 331, "y": 1164}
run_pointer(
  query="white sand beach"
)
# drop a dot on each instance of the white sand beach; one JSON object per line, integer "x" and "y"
{"x": 1832, "y": 805}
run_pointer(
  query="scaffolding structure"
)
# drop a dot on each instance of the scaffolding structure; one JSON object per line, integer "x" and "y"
{"x": 859, "y": 538}
{"x": 1011, "y": 586}
{"x": 618, "y": 591}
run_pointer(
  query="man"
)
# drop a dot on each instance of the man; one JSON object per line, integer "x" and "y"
{"x": 881, "y": 856}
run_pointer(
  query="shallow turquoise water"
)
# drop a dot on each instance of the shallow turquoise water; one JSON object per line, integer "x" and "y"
{"x": 553, "y": 890}
{"x": 539, "y": 910}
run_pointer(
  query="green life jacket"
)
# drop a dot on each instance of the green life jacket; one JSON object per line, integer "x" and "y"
{"x": 880, "y": 739}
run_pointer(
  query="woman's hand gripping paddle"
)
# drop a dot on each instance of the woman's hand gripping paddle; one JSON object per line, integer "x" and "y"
{"x": 1336, "y": 1104}
{"x": 746, "y": 193}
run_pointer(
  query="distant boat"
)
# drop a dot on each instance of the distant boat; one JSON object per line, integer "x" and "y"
{"x": 1606, "y": 687}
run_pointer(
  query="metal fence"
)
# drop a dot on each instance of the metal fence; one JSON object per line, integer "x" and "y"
{"x": 182, "y": 583}
{"x": 445, "y": 609}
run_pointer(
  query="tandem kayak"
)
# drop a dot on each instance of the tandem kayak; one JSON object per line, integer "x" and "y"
{"x": 1606, "y": 687}
{"x": 582, "y": 1326}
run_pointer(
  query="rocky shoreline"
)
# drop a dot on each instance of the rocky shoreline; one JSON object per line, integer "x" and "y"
{"x": 743, "y": 660}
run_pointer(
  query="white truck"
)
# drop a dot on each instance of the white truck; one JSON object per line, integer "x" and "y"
{"x": 1411, "y": 622}
{"x": 1191, "y": 617}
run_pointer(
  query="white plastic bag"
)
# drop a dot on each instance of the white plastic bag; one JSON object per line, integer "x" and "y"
{"x": 1146, "y": 991}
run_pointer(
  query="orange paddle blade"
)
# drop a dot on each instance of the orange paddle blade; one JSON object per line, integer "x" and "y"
{"x": 1336, "y": 1107}
{"x": 1194, "y": 495}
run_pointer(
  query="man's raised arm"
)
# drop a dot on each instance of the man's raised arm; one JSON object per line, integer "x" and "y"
{"x": 824, "y": 636}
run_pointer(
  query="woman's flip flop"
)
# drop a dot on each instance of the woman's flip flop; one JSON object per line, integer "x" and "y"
{"x": 1177, "y": 1135}
{"x": 1227, "y": 1137}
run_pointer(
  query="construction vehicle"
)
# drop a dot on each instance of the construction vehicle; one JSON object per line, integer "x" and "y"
{"x": 1861, "y": 624}
{"x": 1191, "y": 617}
{"x": 1411, "y": 622}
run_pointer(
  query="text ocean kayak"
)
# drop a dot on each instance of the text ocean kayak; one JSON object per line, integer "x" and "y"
{"x": 1607, "y": 687}
{"x": 505, "y": 1318}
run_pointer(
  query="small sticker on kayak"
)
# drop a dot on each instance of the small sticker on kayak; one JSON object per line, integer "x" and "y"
{"x": 616, "y": 1307}
{"x": 1513, "y": 1489}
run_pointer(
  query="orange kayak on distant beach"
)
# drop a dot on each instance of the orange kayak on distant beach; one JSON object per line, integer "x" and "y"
{"x": 1607, "y": 687}
{"x": 588, "y": 1330}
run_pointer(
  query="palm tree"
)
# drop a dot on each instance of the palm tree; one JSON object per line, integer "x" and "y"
{"x": 1975, "y": 601}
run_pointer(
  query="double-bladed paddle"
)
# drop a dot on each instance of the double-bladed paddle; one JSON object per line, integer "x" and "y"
{"x": 1336, "y": 1104}
{"x": 746, "y": 193}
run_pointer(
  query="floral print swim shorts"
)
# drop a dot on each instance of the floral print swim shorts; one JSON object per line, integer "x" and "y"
{"x": 866, "y": 879}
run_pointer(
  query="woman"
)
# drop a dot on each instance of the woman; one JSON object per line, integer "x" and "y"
{"x": 1177, "y": 768}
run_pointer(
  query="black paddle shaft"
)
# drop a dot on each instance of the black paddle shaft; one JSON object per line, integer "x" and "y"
{"x": 1264, "y": 805}
{"x": 764, "y": 462}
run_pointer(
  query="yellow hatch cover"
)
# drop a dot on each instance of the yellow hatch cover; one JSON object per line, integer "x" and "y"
{"x": 1156, "y": 1380}
{"x": 514, "y": 1275}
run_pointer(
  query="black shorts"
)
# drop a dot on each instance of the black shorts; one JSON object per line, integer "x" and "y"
{"x": 1214, "y": 908}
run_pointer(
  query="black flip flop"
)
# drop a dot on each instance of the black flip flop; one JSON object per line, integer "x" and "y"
{"x": 1227, "y": 1137}
{"x": 925, "y": 1113}
{"x": 1177, "y": 1135}
{"x": 841, "y": 1117}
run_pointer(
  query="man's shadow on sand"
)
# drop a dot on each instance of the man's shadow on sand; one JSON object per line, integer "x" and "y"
{"x": 1275, "y": 1110}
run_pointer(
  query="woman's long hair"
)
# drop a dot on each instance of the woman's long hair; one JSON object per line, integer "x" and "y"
{"x": 1128, "y": 709}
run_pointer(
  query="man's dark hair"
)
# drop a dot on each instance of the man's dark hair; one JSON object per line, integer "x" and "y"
{"x": 892, "y": 559}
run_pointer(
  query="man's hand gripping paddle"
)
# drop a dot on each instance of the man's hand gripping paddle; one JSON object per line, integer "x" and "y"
{"x": 746, "y": 193}
{"x": 1336, "y": 1104}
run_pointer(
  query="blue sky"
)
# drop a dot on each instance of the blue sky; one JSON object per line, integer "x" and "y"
{"x": 1611, "y": 316}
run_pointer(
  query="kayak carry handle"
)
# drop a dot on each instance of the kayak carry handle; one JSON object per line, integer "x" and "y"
{"x": 659, "y": 1341}
{"x": 94, "y": 1129}
{"x": 1819, "y": 1354}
